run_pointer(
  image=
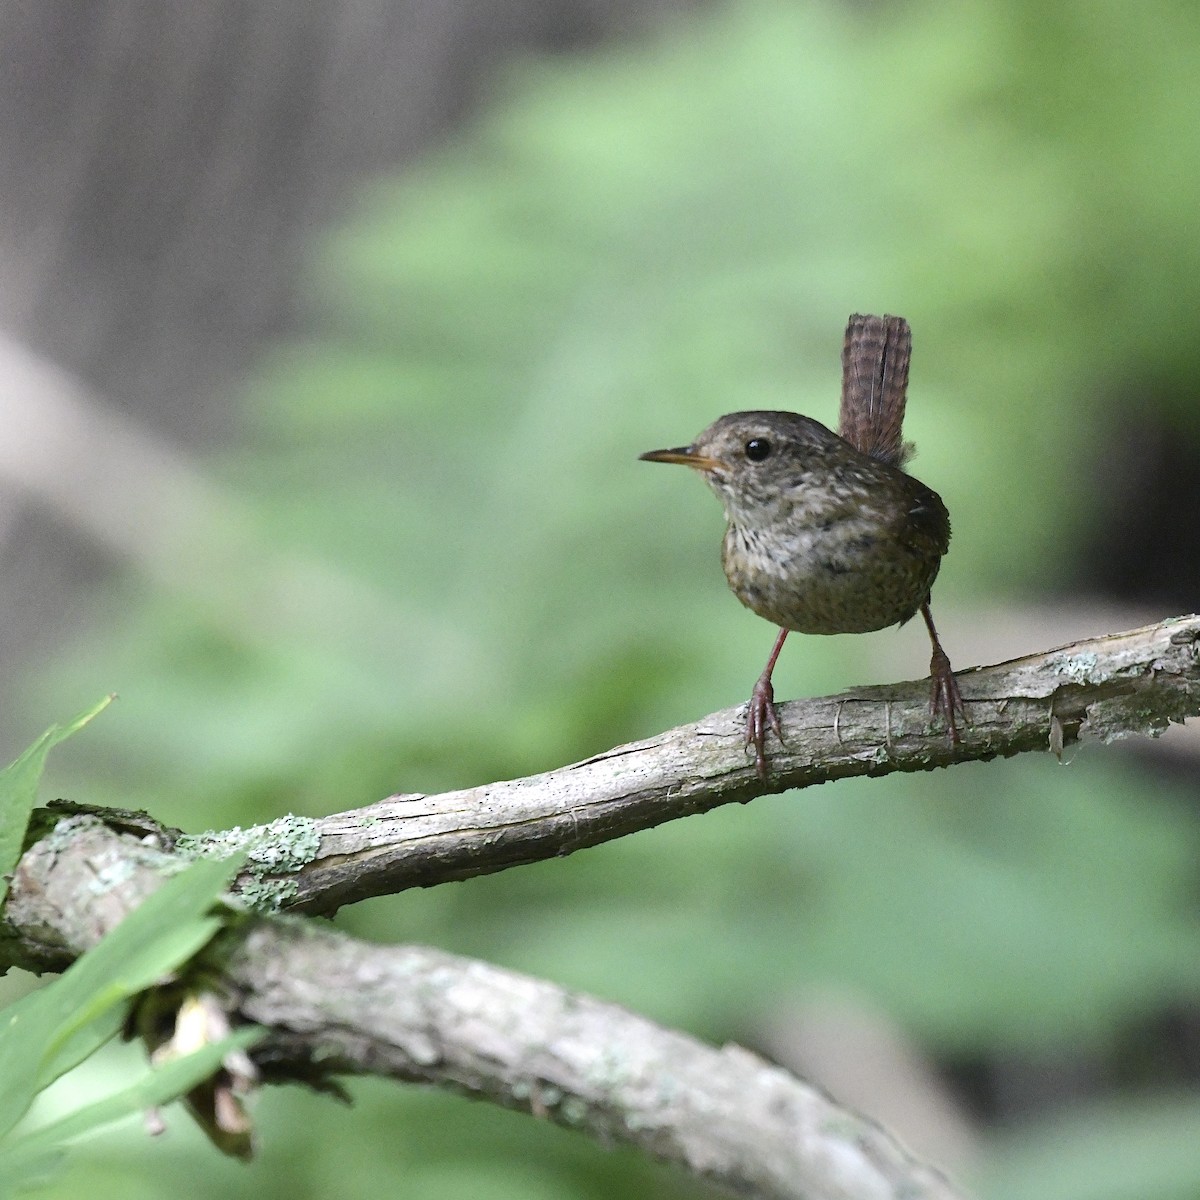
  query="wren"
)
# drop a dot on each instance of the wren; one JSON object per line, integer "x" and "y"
{"x": 826, "y": 532}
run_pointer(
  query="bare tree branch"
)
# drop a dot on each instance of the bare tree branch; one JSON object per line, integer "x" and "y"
{"x": 337, "y": 1006}
{"x": 1103, "y": 688}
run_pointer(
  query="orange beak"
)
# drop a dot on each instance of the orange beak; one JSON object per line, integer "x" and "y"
{"x": 685, "y": 456}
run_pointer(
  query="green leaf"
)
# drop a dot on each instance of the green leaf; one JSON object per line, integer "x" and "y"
{"x": 34, "y": 1171}
{"x": 24, "y": 1158}
{"x": 50, "y": 1031}
{"x": 18, "y": 789}
{"x": 28, "y": 1058}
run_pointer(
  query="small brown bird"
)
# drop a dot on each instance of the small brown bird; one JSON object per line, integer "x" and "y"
{"x": 826, "y": 533}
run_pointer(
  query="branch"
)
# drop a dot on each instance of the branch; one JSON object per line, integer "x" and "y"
{"x": 1103, "y": 688}
{"x": 337, "y": 1006}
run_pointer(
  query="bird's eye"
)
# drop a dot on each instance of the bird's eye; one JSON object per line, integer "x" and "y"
{"x": 757, "y": 449}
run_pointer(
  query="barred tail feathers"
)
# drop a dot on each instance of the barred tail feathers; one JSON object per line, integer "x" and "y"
{"x": 875, "y": 360}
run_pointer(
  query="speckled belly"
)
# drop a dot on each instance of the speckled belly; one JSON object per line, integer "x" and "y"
{"x": 847, "y": 578}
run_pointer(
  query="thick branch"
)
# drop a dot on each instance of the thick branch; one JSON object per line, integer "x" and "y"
{"x": 339, "y": 1006}
{"x": 1103, "y": 688}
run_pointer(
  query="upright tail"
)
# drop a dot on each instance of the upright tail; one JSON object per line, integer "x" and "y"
{"x": 874, "y": 384}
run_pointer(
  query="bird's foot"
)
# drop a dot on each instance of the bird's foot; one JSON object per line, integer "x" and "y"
{"x": 946, "y": 700}
{"x": 761, "y": 716}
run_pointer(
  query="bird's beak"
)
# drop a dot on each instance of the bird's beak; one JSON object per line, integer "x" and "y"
{"x": 684, "y": 455}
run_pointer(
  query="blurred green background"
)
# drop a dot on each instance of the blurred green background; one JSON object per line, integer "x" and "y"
{"x": 429, "y": 558}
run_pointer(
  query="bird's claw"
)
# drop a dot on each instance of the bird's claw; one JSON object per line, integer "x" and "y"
{"x": 761, "y": 715}
{"x": 946, "y": 700}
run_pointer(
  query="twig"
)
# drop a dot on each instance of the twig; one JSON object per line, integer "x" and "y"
{"x": 1115, "y": 686}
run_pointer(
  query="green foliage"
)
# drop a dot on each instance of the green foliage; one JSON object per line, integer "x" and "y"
{"x": 446, "y": 566}
{"x": 49, "y": 1032}
{"x": 18, "y": 789}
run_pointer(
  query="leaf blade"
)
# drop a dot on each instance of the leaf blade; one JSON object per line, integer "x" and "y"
{"x": 18, "y": 788}
{"x": 48, "y": 1032}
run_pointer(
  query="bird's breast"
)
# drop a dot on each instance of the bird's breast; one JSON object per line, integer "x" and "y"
{"x": 829, "y": 573}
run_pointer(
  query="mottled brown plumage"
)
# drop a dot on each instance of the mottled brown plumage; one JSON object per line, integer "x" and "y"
{"x": 826, "y": 534}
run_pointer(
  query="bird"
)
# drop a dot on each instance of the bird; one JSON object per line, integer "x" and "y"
{"x": 826, "y": 532}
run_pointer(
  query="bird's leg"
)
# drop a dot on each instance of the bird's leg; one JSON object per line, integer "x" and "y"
{"x": 946, "y": 700}
{"x": 760, "y": 712}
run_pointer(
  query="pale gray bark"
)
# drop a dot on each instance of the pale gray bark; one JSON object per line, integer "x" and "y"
{"x": 336, "y": 1005}
{"x": 1104, "y": 688}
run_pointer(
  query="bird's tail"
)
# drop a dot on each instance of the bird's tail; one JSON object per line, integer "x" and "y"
{"x": 874, "y": 385}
